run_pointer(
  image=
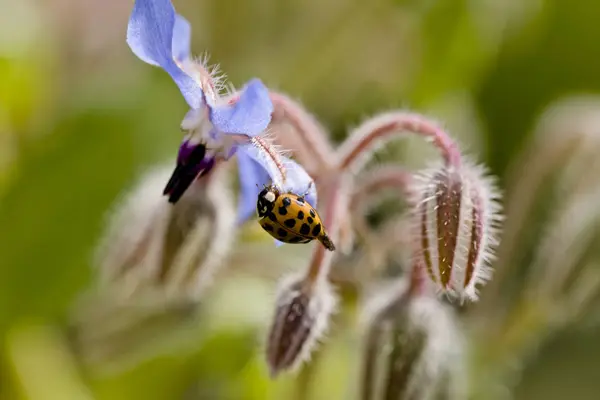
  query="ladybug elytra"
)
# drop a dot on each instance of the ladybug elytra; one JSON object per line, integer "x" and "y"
{"x": 289, "y": 218}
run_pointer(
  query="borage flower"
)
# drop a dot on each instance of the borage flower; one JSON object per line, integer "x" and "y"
{"x": 216, "y": 127}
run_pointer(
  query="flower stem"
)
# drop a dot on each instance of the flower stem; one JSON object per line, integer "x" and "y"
{"x": 305, "y": 126}
{"x": 385, "y": 177}
{"x": 416, "y": 285}
{"x": 334, "y": 205}
{"x": 364, "y": 140}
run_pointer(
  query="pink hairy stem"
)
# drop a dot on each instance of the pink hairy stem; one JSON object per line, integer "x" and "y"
{"x": 416, "y": 285}
{"x": 333, "y": 211}
{"x": 306, "y": 128}
{"x": 385, "y": 177}
{"x": 365, "y": 139}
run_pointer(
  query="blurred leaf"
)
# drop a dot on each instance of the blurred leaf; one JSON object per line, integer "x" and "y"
{"x": 529, "y": 74}
{"x": 454, "y": 55}
{"x": 60, "y": 193}
{"x": 42, "y": 364}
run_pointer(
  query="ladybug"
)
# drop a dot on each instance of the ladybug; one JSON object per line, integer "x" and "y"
{"x": 290, "y": 218}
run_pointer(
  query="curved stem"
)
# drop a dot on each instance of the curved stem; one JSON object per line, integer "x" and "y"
{"x": 416, "y": 284}
{"x": 385, "y": 177}
{"x": 334, "y": 205}
{"x": 372, "y": 183}
{"x": 364, "y": 140}
{"x": 305, "y": 126}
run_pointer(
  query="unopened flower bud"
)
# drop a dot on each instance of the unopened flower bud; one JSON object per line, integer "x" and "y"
{"x": 301, "y": 316}
{"x": 414, "y": 348}
{"x": 456, "y": 218}
{"x": 157, "y": 247}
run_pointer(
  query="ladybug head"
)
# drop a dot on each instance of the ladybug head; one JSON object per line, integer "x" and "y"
{"x": 266, "y": 200}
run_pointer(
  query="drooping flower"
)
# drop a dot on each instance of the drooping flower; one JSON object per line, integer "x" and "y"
{"x": 217, "y": 127}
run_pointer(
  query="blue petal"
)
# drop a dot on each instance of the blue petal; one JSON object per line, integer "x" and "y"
{"x": 271, "y": 173}
{"x": 182, "y": 34}
{"x": 150, "y": 35}
{"x": 299, "y": 182}
{"x": 250, "y": 115}
{"x": 252, "y": 178}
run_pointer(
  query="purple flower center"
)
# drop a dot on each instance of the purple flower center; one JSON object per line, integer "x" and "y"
{"x": 191, "y": 162}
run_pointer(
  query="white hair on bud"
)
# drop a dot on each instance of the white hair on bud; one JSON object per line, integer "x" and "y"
{"x": 392, "y": 310}
{"x": 477, "y": 222}
{"x": 167, "y": 250}
{"x": 490, "y": 196}
{"x": 322, "y": 302}
{"x": 206, "y": 247}
{"x": 135, "y": 230}
{"x": 444, "y": 351}
{"x": 379, "y": 297}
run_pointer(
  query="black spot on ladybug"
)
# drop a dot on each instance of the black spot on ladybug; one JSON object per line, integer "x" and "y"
{"x": 313, "y": 213}
{"x": 290, "y": 223}
{"x": 281, "y": 232}
{"x": 300, "y": 215}
{"x": 286, "y": 201}
{"x": 296, "y": 239}
{"x": 316, "y": 230}
{"x": 305, "y": 229}
{"x": 272, "y": 217}
{"x": 300, "y": 201}
{"x": 268, "y": 227}
{"x": 282, "y": 211}
{"x": 310, "y": 220}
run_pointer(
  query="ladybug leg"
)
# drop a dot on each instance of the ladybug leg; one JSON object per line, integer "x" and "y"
{"x": 303, "y": 195}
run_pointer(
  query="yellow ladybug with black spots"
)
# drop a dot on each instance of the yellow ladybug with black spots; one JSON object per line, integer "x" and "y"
{"x": 289, "y": 218}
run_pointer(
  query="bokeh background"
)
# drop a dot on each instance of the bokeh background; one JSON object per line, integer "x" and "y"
{"x": 81, "y": 118}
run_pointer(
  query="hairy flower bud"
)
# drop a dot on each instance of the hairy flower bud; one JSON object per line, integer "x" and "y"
{"x": 414, "y": 348}
{"x": 171, "y": 249}
{"x": 301, "y": 318}
{"x": 456, "y": 218}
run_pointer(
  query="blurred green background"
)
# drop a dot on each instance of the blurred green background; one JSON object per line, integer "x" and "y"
{"x": 81, "y": 118}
